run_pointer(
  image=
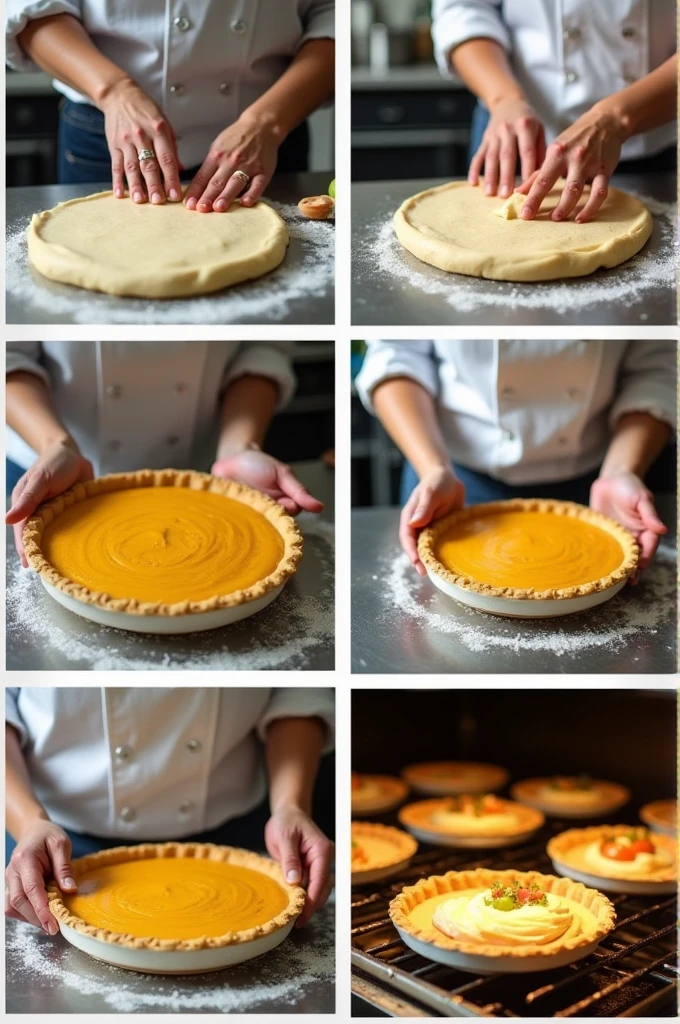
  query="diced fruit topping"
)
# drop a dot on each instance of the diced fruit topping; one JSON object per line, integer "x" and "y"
{"x": 475, "y": 806}
{"x": 515, "y": 896}
{"x": 331, "y": 189}
{"x": 571, "y": 783}
{"x": 628, "y": 846}
{"x": 359, "y": 855}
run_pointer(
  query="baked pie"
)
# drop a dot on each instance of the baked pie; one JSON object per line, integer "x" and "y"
{"x": 620, "y": 858}
{"x": 435, "y": 777}
{"x": 477, "y": 820}
{"x": 374, "y": 794}
{"x": 661, "y": 816}
{"x": 379, "y": 851}
{"x": 571, "y": 796}
{"x": 485, "y": 921}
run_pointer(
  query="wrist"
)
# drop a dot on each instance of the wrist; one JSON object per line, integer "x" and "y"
{"x": 231, "y": 447}
{"x": 511, "y": 92}
{"x": 57, "y": 438}
{"x": 615, "y": 114}
{"x": 265, "y": 121}
{"x": 111, "y": 88}
{"x": 29, "y": 817}
{"x": 436, "y": 465}
{"x": 290, "y": 802}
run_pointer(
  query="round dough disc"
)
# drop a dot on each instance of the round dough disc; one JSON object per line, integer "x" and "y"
{"x": 156, "y": 252}
{"x": 457, "y": 228}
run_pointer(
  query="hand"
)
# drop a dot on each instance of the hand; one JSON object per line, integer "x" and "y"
{"x": 248, "y": 145}
{"x": 42, "y": 853}
{"x": 624, "y": 497}
{"x": 513, "y": 130}
{"x": 588, "y": 151}
{"x": 132, "y": 121}
{"x": 267, "y": 474}
{"x": 304, "y": 853}
{"x": 59, "y": 467}
{"x": 439, "y": 491}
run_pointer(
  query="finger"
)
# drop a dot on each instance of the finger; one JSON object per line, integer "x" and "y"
{"x": 231, "y": 191}
{"x": 508, "y": 162}
{"x": 33, "y": 886}
{"x": 649, "y": 517}
{"x": 289, "y": 858}
{"x": 544, "y": 181}
{"x": 166, "y": 155}
{"x": 18, "y": 531}
{"x": 407, "y": 535}
{"x": 16, "y": 903}
{"x": 222, "y": 185}
{"x": 59, "y": 849}
{"x": 525, "y": 186}
{"x": 573, "y": 187}
{"x": 134, "y": 175}
{"x": 319, "y": 864}
{"x": 199, "y": 182}
{"x": 648, "y": 542}
{"x": 491, "y": 168}
{"x": 118, "y": 173}
{"x": 309, "y": 910}
{"x": 599, "y": 190}
{"x": 476, "y": 165}
{"x": 34, "y": 491}
{"x": 291, "y": 486}
{"x": 255, "y": 190}
{"x": 422, "y": 514}
{"x": 290, "y": 506}
{"x": 526, "y": 142}
{"x": 150, "y": 169}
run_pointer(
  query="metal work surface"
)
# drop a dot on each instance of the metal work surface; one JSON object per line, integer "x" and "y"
{"x": 402, "y": 623}
{"x": 392, "y": 287}
{"x": 300, "y": 291}
{"x": 46, "y": 975}
{"x": 296, "y": 631}
{"x": 632, "y": 973}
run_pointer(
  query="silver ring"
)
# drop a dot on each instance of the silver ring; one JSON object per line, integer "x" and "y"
{"x": 146, "y": 154}
{"x": 242, "y": 176}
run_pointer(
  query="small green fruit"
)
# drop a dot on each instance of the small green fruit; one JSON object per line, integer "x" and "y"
{"x": 331, "y": 189}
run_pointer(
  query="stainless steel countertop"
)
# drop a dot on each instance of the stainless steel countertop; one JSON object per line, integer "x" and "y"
{"x": 387, "y": 637}
{"x": 421, "y": 295}
{"x": 308, "y": 246}
{"x": 48, "y": 975}
{"x": 44, "y": 636}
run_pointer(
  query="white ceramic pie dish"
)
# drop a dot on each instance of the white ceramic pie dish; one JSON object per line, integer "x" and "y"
{"x": 513, "y": 608}
{"x": 467, "y": 842}
{"x": 623, "y": 885}
{"x": 158, "y": 624}
{"x": 378, "y": 874}
{"x": 153, "y": 961}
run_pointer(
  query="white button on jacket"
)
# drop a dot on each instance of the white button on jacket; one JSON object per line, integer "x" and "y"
{"x": 568, "y": 54}
{"x": 164, "y": 789}
{"x": 530, "y": 411}
{"x": 182, "y": 51}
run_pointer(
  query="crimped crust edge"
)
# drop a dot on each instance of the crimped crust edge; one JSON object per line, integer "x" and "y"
{"x": 566, "y": 841}
{"x": 528, "y": 818}
{"x": 405, "y": 844}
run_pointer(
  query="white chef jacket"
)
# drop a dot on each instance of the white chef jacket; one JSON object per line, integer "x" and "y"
{"x": 202, "y": 61}
{"x": 141, "y": 763}
{"x": 568, "y": 54}
{"x": 530, "y": 411}
{"x": 144, "y": 404}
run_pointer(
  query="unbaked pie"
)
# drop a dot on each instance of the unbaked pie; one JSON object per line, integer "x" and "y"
{"x": 470, "y": 820}
{"x": 379, "y": 851}
{"x": 571, "y": 796}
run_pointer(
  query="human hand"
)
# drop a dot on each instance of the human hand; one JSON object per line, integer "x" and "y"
{"x": 59, "y": 467}
{"x": 42, "y": 853}
{"x": 267, "y": 474}
{"x": 132, "y": 121}
{"x": 439, "y": 491}
{"x": 624, "y": 497}
{"x": 514, "y": 130}
{"x": 588, "y": 151}
{"x": 249, "y": 145}
{"x": 304, "y": 853}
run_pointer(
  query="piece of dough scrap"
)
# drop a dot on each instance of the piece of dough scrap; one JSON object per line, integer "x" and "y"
{"x": 457, "y": 228}
{"x": 154, "y": 252}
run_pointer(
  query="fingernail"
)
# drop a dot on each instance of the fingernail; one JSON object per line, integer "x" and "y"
{"x": 174, "y": 194}
{"x": 137, "y": 197}
{"x": 204, "y": 206}
{"x": 70, "y": 882}
{"x": 52, "y": 928}
{"x": 156, "y": 198}
{"x": 219, "y": 204}
{"x": 292, "y": 875}
{"x": 526, "y": 211}
{"x": 557, "y": 216}
{"x": 119, "y": 193}
{"x": 190, "y": 203}
{"x": 488, "y": 190}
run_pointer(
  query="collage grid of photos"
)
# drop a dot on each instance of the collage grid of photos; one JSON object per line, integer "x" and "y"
{"x": 436, "y": 775}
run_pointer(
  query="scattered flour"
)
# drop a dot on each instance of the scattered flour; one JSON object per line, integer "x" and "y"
{"x": 651, "y": 270}
{"x": 283, "y": 636}
{"x": 652, "y": 606}
{"x": 307, "y": 271}
{"x": 278, "y": 979}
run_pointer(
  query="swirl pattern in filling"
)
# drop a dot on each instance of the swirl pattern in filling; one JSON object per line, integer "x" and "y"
{"x": 462, "y": 917}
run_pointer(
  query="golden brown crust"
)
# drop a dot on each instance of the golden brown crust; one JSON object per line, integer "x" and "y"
{"x": 205, "y": 851}
{"x": 562, "y": 845}
{"x": 604, "y": 915}
{"x": 490, "y": 776}
{"x": 273, "y": 512}
{"x": 629, "y": 555}
{"x": 532, "y": 792}
{"x": 393, "y": 790}
{"x": 660, "y": 813}
{"x": 404, "y": 845}
{"x": 419, "y": 814}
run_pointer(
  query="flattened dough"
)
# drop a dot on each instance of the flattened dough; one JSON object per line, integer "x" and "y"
{"x": 156, "y": 252}
{"x": 457, "y": 228}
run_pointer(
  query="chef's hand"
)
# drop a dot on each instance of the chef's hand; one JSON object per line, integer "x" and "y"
{"x": 588, "y": 151}
{"x": 514, "y": 130}
{"x": 133, "y": 121}
{"x": 43, "y": 853}
{"x": 265, "y": 473}
{"x": 248, "y": 145}
{"x": 439, "y": 492}
{"x": 624, "y": 497}
{"x": 304, "y": 853}
{"x": 59, "y": 467}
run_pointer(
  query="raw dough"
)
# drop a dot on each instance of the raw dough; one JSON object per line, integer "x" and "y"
{"x": 457, "y": 228}
{"x": 156, "y": 252}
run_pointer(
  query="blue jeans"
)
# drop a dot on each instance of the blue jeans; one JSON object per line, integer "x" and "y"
{"x": 479, "y": 487}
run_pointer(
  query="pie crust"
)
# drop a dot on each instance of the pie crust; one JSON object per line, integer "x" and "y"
{"x": 568, "y": 848}
{"x": 661, "y": 814}
{"x": 380, "y": 793}
{"x": 395, "y": 850}
{"x": 419, "y": 816}
{"x": 453, "y": 777}
{"x": 629, "y": 548}
{"x": 600, "y": 908}
{"x": 606, "y": 797}
{"x": 200, "y": 851}
{"x": 146, "y": 478}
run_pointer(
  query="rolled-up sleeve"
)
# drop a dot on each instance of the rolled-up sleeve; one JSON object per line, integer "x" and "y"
{"x": 17, "y": 16}
{"x": 301, "y": 702}
{"x": 25, "y": 355}
{"x": 318, "y": 20}
{"x": 647, "y": 382}
{"x": 456, "y": 21}
{"x": 385, "y": 359}
{"x": 271, "y": 359}
{"x": 12, "y": 713}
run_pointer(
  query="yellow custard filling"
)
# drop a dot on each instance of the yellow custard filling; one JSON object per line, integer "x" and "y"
{"x": 468, "y": 916}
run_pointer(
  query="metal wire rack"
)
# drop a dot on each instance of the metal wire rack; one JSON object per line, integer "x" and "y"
{"x": 634, "y": 971}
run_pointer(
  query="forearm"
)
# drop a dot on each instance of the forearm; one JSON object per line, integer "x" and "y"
{"x": 293, "y": 751}
{"x": 306, "y": 84}
{"x": 31, "y": 413}
{"x": 21, "y": 806}
{"x": 637, "y": 441}
{"x": 60, "y": 46}
{"x": 648, "y": 103}
{"x": 484, "y": 67}
{"x": 408, "y": 414}
{"x": 248, "y": 405}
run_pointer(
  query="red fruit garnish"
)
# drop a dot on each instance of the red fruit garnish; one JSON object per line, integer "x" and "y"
{"x": 641, "y": 846}
{"x": 523, "y": 895}
{"x": 612, "y": 850}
